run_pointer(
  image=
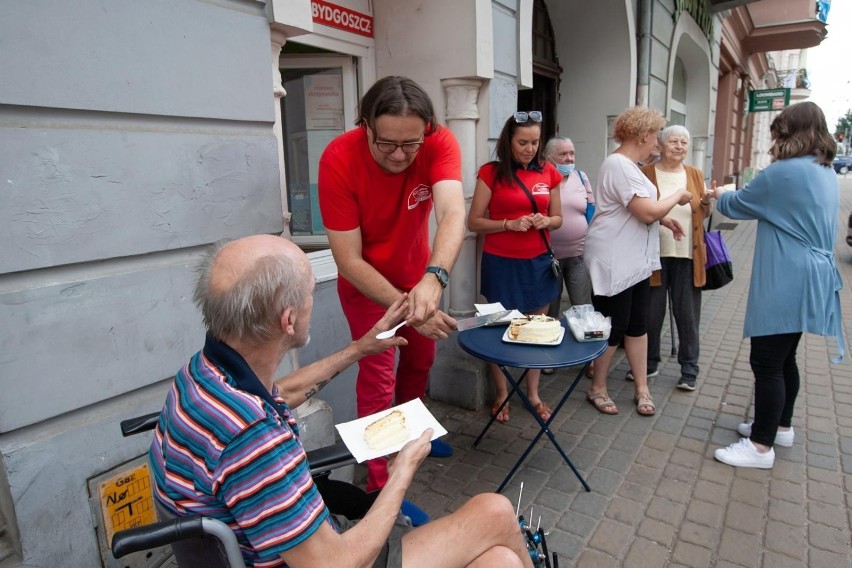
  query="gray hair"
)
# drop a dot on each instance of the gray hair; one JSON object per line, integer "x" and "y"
{"x": 550, "y": 147}
{"x": 674, "y": 130}
{"x": 251, "y": 308}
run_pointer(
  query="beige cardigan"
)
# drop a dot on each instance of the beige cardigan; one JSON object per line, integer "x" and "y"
{"x": 695, "y": 185}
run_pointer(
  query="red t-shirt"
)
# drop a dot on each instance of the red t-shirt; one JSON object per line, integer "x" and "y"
{"x": 509, "y": 201}
{"x": 392, "y": 210}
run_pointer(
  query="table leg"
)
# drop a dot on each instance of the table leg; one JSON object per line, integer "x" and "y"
{"x": 544, "y": 428}
{"x": 494, "y": 416}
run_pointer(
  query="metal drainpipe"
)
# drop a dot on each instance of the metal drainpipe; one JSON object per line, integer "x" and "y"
{"x": 644, "y": 55}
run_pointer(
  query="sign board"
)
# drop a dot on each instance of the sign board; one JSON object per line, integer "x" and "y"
{"x": 768, "y": 100}
{"x": 342, "y": 18}
{"x": 126, "y": 500}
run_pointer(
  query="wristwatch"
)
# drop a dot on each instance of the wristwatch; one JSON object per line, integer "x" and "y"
{"x": 440, "y": 273}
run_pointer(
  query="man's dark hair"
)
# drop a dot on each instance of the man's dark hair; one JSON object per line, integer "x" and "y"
{"x": 800, "y": 130}
{"x": 396, "y": 96}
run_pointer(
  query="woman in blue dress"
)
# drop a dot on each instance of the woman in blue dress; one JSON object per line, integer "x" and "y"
{"x": 794, "y": 282}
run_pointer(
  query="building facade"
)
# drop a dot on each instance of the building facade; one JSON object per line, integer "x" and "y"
{"x": 141, "y": 133}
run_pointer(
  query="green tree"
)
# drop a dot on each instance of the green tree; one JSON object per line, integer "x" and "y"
{"x": 844, "y": 126}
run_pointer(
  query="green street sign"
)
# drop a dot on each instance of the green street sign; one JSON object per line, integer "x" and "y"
{"x": 768, "y": 100}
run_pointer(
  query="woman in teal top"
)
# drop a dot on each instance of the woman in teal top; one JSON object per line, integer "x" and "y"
{"x": 795, "y": 282}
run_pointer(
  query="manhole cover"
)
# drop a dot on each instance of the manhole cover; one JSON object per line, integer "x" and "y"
{"x": 726, "y": 226}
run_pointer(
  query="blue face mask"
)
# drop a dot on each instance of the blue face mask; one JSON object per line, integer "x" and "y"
{"x": 565, "y": 169}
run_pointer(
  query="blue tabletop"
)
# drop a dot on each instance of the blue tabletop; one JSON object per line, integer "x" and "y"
{"x": 486, "y": 343}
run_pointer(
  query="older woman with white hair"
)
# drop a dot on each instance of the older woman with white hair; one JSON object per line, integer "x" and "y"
{"x": 682, "y": 274}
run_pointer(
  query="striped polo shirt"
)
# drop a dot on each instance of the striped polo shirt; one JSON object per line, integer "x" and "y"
{"x": 222, "y": 452}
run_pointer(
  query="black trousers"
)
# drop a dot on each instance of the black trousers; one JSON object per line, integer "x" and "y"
{"x": 776, "y": 384}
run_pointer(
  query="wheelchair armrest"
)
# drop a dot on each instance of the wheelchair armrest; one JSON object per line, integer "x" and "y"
{"x": 139, "y": 424}
{"x": 329, "y": 457}
{"x": 175, "y": 530}
{"x": 156, "y": 534}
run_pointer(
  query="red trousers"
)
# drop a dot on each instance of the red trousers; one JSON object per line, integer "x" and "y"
{"x": 379, "y": 387}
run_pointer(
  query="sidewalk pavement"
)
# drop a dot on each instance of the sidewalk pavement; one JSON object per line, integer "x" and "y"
{"x": 658, "y": 497}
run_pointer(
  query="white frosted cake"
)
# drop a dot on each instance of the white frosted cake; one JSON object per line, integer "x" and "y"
{"x": 535, "y": 329}
{"x": 387, "y": 431}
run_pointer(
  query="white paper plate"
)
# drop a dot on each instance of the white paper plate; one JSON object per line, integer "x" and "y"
{"x": 417, "y": 417}
{"x": 485, "y": 309}
{"x": 558, "y": 340}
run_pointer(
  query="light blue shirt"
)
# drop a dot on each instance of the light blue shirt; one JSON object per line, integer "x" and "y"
{"x": 795, "y": 283}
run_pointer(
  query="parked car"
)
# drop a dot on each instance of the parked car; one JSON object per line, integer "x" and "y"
{"x": 849, "y": 231}
{"x": 842, "y": 164}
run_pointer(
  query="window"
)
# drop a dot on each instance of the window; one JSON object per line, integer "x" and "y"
{"x": 319, "y": 105}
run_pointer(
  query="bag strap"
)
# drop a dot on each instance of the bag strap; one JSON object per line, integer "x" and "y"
{"x": 535, "y": 210}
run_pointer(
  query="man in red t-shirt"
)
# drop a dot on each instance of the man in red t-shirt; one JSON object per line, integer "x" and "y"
{"x": 378, "y": 184}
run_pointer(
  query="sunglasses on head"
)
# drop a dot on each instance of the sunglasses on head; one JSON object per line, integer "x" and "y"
{"x": 522, "y": 117}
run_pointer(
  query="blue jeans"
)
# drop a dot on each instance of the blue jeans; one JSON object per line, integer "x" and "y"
{"x": 677, "y": 282}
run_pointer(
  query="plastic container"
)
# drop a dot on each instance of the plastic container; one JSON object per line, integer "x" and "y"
{"x": 586, "y": 324}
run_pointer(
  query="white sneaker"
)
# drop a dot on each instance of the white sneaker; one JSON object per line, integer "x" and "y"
{"x": 744, "y": 454}
{"x": 782, "y": 438}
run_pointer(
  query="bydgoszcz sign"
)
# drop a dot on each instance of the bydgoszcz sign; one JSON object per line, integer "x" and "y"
{"x": 342, "y": 18}
{"x": 768, "y": 100}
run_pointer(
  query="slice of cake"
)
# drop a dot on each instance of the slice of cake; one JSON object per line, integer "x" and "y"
{"x": 387, "y": 431}
{"x": 535, "y": 329}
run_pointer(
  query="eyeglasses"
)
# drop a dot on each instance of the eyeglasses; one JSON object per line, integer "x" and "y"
{"x": 390, "y": 147}
{"x": 523, "y": 117}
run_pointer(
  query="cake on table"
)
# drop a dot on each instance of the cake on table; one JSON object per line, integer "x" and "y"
{"x": 387, "y": 431}
{"x": 535, "y": 329}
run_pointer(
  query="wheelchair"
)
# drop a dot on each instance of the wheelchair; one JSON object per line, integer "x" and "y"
{"x": 202, "y": 541}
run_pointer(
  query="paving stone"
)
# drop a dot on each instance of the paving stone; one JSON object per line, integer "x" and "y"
{"x": 665, "y": 510}
{"x": 786, "y": 539}
{"x": 595, "y": 559}
{"x": 617, "y": 461}
{"x": 708, "y": 491}
{"x": 692, "y": 555}
{"x": 580, "y": 525}
{"x": 626, "y": 511}
{"x": 750, "y": 492}
{"x": 612, "y": 537}
{"x": 704, "y": 513}
{"x": 786, "y": 491}
{"x": 657, "y": 531}
{"x": 828, "y": 538}
{"x": 744, "y": 518}
{"x": 674, "y": 490}
{"x": 739, "y": 547}
{"x": 831, "y": 515}
{"x": 786, "y": 512}
{"x": 776, "y": 560}
{"x": 590, "y": 504}
{"x": 636, "y": 492}
{"x": 825, "y": 559}
{"x": 697, "y": 534}
{"x": 825, "y": 492}
{"x": 644, "y": 553}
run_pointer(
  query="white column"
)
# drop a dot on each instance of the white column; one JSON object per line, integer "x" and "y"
{"x": 699, "y": 152}
{"x": 462, "y": 113}
{"x": 278, "y": 39}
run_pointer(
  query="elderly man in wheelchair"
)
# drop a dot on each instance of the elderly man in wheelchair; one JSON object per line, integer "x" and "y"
{"x": 227, "y": 446}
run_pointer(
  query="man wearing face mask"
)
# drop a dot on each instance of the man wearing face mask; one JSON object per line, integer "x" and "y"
{"x": 578, "y": 207}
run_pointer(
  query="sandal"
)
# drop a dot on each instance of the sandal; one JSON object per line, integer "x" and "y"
{"x": 644, "y": 400}
{"x": 503, "y": 417}
{"x": 543, "y": 411}
{"x": 602, "y": 403}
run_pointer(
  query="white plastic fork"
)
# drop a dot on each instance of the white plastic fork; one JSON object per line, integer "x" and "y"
{"x": 390, "y": 333}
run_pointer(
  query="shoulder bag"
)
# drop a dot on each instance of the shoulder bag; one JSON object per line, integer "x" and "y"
{"x": 554, "y": 262}
{"x": 719, "y": 267}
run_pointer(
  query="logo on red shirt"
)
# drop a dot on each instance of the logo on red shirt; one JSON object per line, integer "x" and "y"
{"x": 418, "y": 194}
{"x": 540, "y": 188}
